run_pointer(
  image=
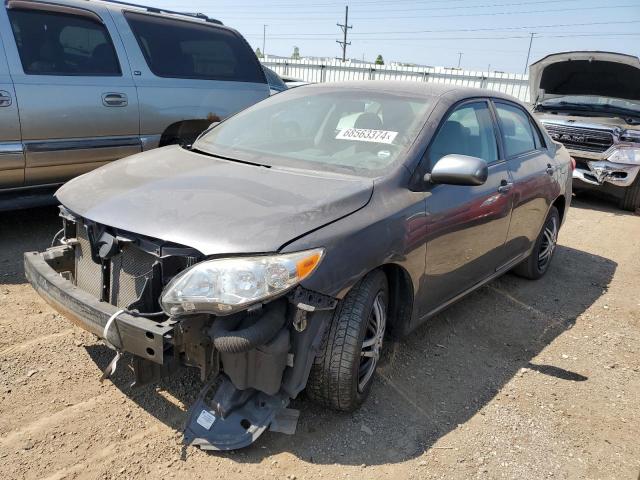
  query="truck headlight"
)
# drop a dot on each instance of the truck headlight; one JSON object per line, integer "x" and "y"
{"x": 628, "y": 155}
{"x": 226, "y": 285}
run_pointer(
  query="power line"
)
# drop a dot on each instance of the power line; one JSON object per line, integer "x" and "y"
{"x": 247, "y": 6}
{"x": 414, "y": 39}
{"x": 345, "y": 28}
{"x": 393, "y": 8}
{"x": 287, "y": 19}
{"x": 452, "y": 30}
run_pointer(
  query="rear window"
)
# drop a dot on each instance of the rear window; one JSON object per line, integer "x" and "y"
{"x": 180, "y": 49}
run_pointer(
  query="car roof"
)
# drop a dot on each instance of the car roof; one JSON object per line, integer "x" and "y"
{"x": 136, "y": 7}
{"x": 417, "y": 89}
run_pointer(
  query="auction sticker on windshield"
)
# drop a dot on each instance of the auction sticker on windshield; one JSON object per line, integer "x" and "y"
{"x": 366, "y": 135}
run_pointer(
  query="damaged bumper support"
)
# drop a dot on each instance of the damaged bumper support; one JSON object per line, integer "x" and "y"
{"x": 137, "y": 335}
{"x": 598, "y": 172}
{"x": 252, "y": 363}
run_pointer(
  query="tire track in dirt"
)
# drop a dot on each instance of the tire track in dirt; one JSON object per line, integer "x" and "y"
{"x": 34, "y": 341}
{"x": 105, "y": 454}
{"x": 49, "y": 421}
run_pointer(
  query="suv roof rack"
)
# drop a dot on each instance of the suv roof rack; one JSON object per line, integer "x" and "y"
{"x": 201, "y": 16}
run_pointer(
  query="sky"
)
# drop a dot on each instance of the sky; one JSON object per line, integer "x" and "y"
{"x": 491, "y": 34}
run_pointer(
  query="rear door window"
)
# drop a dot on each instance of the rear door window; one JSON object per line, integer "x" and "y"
{"x": 180, "y": 49}
{"x": 53, "y": 43}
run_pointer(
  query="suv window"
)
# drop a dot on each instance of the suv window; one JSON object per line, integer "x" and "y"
{"x": 467, "y": 131}
{"x": 181, "y": 49}
{"x": 516, "y": 129}
{"x": 52, "y": 43}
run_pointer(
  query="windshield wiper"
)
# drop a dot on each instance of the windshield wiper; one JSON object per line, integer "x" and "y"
{"x": 230, "y": 159}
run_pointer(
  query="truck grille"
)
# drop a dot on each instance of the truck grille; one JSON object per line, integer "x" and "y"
{"x": 583, "y": 139}
{"x": 130, "y": 271}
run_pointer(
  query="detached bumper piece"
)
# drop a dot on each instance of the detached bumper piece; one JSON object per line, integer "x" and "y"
{"x": 225, "y": 418}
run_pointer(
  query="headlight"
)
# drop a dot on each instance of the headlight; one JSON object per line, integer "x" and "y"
{"x": 226, "y": 285}
{"x": 629, "y": 155}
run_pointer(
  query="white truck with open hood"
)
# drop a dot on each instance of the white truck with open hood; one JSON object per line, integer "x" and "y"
{"x": 590, "y": 102}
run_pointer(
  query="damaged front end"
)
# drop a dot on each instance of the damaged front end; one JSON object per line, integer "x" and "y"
{"x": 245, "y": 323}
{"x": 604, "y": 155}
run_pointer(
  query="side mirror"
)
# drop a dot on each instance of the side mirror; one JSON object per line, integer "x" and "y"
{"x": 457, "y": 169}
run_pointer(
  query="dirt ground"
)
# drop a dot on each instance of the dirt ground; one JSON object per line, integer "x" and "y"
{"x": 519, "y": 380}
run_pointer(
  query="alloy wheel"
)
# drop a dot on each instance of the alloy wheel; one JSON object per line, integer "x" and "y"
{"x": 372, "y": 344}
{"x": 548, "y": 245}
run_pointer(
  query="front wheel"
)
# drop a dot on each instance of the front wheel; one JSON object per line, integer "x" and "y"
{"x": 342, "y": 372}
{"x": 537, "y": 263}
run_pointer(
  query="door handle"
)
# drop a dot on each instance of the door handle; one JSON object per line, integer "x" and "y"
{"x": 114, "y": 100}
{"x": 5, "y": 98}
{"x": 505, "y": 186}
{"x": 550, "y": 169}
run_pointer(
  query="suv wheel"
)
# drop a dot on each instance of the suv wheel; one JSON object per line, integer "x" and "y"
{"x": 537, "y": 264}
{"x": 342, "y": 372}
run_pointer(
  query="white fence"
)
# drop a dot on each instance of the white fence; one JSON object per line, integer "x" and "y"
{"x": 336, "y": 70}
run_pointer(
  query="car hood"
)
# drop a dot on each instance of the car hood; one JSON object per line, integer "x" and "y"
{"x": 602, "y": 74}
{"x": 213, "y": 205}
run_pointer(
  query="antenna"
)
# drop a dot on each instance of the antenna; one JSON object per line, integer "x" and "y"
{"x": 344, "y": 28}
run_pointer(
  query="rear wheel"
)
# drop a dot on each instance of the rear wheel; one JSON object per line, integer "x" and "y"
{"x": 342, "y": 372}
{"x": 537, "y": 264}
{"x": 631, "y": 197}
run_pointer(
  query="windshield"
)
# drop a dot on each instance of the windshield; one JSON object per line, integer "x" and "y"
{"x": 352, "y": 131}
{"x": 602, "y": 103}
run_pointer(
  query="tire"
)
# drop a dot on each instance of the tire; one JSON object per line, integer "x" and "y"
{"x": 341, "y": 376}
{"x": 537, "y": 264}
{"x": 631, "y": 196}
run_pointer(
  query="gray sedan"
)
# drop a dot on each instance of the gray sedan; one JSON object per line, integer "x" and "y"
{"x": 280, "y": 250}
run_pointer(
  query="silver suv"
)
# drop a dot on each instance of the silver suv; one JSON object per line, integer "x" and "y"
{"x": 83, "y": 83}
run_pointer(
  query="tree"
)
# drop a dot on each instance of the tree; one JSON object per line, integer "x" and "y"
{"x": 296, "y": 53}
{"x": 379, "y": 60}
{"x": 259, "y": 53}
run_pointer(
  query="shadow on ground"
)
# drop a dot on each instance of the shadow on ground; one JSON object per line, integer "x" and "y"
{"x": 440, "y": 376}
{"x": 24, "y": 231}
{"x": 594, "y": 200}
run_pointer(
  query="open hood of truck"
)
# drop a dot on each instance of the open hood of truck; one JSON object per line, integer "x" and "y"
{"x": 601, "y": 74}
{"x": 214, "y": 205}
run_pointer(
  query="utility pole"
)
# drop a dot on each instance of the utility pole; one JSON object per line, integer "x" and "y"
{"x": 459, "y": 58}
{"x": 344, "y": 28}
{"x": 264, "y": 40}
{"x": 526, "y": 64}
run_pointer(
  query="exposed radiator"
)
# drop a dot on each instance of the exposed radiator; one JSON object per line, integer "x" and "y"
{"x": 130, "y": 271}
{"x": 88, "y": 273}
